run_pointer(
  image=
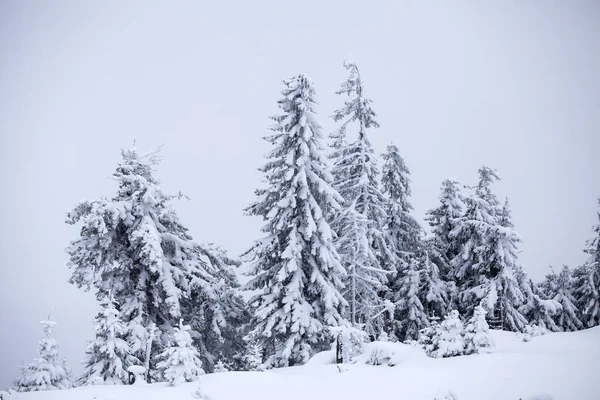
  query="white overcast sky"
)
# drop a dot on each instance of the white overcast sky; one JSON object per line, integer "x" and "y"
{"x": 456, "y": 84}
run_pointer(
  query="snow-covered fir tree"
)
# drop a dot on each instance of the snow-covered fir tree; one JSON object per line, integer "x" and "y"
{"x": 402, "y": 230}
{"x": 434, "y": 292}
{"x": 448, "y": 340}
{"x": 253, "y": 359}
{"x": 134, "y": 246}
{"x": 505, "y": 313}
{"x": 486, "y": 265}
{"x": 446, "y": 217}
{"x": 47, "y": 371}
{"x": 559, "y": 287}
{"x": 108, "y": 356}
{"x": 537, "y": 308}
{"x": 296, "y": 265}
{"x": 181, "y": 362}
{"x": 409, "y": 314}
{"x": 587, "y": 283}
{"x": 359, "y": 226}
{"x": 477, "y": 332}
{"x": 217, "y": 314}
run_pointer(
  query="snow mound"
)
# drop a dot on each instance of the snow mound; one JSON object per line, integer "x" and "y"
{"x": 389, "y": 354}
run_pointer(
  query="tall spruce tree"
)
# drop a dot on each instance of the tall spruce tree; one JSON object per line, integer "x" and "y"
{"x": 109, "y": 355}
{"x": 588, "y": 281}
{"x": 434, "y": 290}
{"x": 559, "y": 287}
{"x": 486, "y": 265}
{"x": 359, "y": 226}
{"x": 402, "y": 230}
{"x": 47, "y": 371}
{"x": 410, "y": 314}
{"x": 134, "y": 246}
{"x": 296, "y": 264}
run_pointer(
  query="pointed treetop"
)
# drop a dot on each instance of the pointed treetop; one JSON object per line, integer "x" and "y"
{"x": 395, "y": 177}
{"x": 357, "y": 106}
{"x": 487, "y": 176}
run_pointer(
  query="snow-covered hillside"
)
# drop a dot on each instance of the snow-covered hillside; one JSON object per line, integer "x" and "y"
{"x": 562, "y": 365}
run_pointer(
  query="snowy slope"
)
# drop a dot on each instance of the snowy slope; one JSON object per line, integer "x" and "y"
{"x": 564, "y": 365}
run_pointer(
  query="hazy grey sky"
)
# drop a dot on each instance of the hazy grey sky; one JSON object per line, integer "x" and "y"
{"x": 511, "y": 84}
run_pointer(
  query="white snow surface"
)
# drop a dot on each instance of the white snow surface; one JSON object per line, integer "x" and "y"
{"x": 557, "y": 366}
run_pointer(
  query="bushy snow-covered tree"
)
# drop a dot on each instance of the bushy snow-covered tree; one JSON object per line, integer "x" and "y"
{"x": 587, "y": 290}
{"x": 220, "y": 367}
{"x": 410, "y": 314}
{"x": 433, "y": 291}
{"x": 486, "y": 265}
{"x": 477, "y": 333}
{"x": 253, "y": 359}
{"x": 108, "y": 356}
{"x": 537, "y": 308}
{"x": 448, "y": 340}
{"x": 181, "y": 362}
{"x": 361, "y": 242}
{"x": 217, "y": 314}
{"x": 296, "y": 264}
{"x": 47, "y": 371}
{"x": 446, "y": 217}
{"x": 134, "y": 246}
{"x": 559, "y": 288}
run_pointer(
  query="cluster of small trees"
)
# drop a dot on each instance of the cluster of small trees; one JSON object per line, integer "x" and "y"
{"x": 340, "y": 250}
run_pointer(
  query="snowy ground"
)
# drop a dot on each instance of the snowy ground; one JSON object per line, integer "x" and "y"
{"x": 563, "y": 365}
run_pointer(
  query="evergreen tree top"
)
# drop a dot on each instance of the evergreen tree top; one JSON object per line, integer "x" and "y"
{"x": 357, "y": 107}
{"x": 395, "y": 178}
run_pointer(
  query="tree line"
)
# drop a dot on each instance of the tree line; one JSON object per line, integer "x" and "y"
{"x": 340, "y": 249}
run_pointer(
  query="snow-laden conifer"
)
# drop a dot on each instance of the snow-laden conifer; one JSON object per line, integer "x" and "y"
{"x": 109, "y": 355}
{"x": 402, "y": 230}
{"x": 486, "y": 265}
{"x": 434, "y": 292}
{"x": 448, "y": 340}
{"x": 134, "y": 246}
{"x": 559, "y": 287}
{"x": 296, "y": 264}
{"x": 446, "y": 217}
{"x": 477, "y": 332}
{"x": 409, "y": 313}
{"x": 47, "y": 371}
{"x": 361, "y": 242}
{"x": 181, "y": 363}
{"x": 253, "y": 359}
{"x": 538, "y": 309}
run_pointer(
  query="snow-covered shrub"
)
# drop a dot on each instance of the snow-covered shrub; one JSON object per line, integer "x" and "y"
{"x": 448, "y": 339}
{"x": 253, "y": 359}
{"x": 181, "y": 363}
{"x": 352, "y": 340}
{"x": 47, "y": 371}
{"x": 426, "y": 336}
{"x": 477, "y": 332}
{"x": 532, "y": 331}
{"x": 138, "y": 373}
{"x": 220, "y": 367}
{"x": 387, "y": 353}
